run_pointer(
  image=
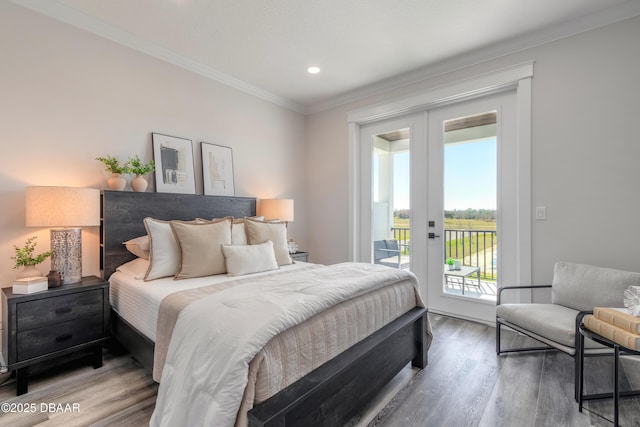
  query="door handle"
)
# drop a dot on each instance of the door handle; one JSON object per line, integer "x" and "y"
{"x": 433, "y": 235}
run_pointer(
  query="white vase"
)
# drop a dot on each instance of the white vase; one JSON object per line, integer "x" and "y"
{"x": 29, "y": 271}
{"x": 116, "y": 182}
{"x": 139, "y": 184}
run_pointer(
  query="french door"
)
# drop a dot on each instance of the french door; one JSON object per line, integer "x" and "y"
{"x": 392, "y": 155}
{"x": 402, "y": 201}
{"x": 469, "y": 147}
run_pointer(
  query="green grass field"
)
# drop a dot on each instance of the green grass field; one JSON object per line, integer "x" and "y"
{"x": 467, "y": 247}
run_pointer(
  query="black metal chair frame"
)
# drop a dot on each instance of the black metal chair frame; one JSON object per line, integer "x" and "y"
{"x": 577, "y": 346}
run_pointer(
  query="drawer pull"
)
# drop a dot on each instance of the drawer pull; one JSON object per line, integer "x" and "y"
{"x": 63, "y": 337}
{"x": 63, "y": 310}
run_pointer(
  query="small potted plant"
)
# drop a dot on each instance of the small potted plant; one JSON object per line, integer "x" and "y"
{"x": 450, "y": 262}
{"x": 135, "y": 166}
{"x": 116, "y": 181}
{"x": 25, "y": 258}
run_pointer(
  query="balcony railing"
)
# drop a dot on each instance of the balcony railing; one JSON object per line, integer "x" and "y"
{"x": 473, "y": 247}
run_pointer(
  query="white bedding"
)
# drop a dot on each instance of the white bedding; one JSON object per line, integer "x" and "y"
{"x": 206, "y": 367}
{"x": 138, "y": 302}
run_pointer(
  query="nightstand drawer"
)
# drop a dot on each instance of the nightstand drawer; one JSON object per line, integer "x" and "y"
{"x": 40, "y": 341}
{"x": 44, "y": 312}
{"x": 300, "y": 256}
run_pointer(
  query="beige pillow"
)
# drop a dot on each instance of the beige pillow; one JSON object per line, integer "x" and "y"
{"x": 260, "y": 232}
{"x": 139, "y": 246}
{"x": 248, "y": 259}
{"x": 200, "y": 247}
{"x": 238, "y": 233}
{"x": 164, "y": 253}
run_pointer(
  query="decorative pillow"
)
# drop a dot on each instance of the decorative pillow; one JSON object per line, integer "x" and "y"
{"x": 139, "y": 246}
{"x": 136, "y": 268}
{"x": 164, "y": 254}
{"x": 238, "y": 233}
{"x": 248, "y": 259}
{"x": 260, "y": 232}
{"x": 200, "y": 247}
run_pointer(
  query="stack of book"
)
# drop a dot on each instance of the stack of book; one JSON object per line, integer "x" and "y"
{"x": 29, "y": 285}
{"x": 615, "y": 324}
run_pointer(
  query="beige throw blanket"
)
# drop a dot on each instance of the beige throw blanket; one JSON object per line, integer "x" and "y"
{"x": 214, "y": 338}
{"x": 173, "y": 304}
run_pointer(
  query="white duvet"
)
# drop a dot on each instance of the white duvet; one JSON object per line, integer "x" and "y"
{"x": 215, "y": 338}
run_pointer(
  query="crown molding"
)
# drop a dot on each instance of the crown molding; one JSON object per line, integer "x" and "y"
{"x": 549, "y": 34}
{"x": 88, "y": 23}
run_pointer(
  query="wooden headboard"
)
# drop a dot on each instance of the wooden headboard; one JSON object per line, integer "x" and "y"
{"x": 123, "y": 212}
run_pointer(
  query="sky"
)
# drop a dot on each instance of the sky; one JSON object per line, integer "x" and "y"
{"x": 469, "y": 176}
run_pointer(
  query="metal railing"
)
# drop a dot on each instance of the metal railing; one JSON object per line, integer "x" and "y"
{"x": 473, "y": 247}
{"x": 401, "y": 235}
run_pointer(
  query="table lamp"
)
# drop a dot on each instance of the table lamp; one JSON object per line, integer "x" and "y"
{"x": 281, "y": 209}
{"x": 67, "y": 209}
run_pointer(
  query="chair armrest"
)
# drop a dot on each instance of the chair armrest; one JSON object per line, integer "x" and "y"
{"x": 390, "y": 251}
{"x": 579, "y": 318}
{"x": 518, "y": 287}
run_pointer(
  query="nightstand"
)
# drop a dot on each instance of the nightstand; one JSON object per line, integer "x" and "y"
{"x": 54, "y": 323}
{"x": 300, "y": 256}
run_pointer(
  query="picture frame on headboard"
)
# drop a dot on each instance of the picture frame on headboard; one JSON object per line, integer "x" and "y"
{"x": 173, "y": 157}
{"x": 217, "y": 170}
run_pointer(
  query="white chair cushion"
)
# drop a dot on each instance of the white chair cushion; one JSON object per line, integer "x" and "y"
{"x": 552, "y": 321}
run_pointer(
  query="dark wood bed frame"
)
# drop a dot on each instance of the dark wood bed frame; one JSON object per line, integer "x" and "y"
{"x": 328, "y": 396}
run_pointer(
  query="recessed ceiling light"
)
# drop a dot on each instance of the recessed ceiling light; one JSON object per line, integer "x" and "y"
{"x": 313, "y": 70}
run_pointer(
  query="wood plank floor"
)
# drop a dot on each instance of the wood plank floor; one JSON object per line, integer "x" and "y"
{"x": 465, "y": 384}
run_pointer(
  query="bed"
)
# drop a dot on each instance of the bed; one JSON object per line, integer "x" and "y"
{"x": 328, "y": 395}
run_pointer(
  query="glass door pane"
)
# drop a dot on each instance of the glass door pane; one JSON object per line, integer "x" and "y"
{"x": 470, "y": 206}
{"x": 391, "y": 198}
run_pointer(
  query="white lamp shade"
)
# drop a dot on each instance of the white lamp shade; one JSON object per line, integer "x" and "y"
{"x": 62, "y": 207}
{"x": 281, "y": 209}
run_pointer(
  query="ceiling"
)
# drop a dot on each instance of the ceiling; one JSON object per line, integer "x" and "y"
{"x": 362, "y": 46}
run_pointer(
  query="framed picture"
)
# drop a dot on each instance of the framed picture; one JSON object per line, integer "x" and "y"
{"x": 217, "y": 170}
{"x": 174, "y": 164}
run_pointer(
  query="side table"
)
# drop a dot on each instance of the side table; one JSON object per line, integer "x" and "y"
{"x": 463, "y": 272}
{"x": 617, "y": 349}
{"x": 54, "y": 323}
{"x": 300, "y": 256}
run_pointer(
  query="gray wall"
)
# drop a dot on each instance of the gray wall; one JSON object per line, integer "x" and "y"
{"x": 585, "y": 152}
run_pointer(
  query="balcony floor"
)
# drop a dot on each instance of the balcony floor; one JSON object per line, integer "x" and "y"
{"x": 483, "y": 290}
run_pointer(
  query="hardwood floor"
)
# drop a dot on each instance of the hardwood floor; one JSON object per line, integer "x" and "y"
{"x": 120, "y": 393}
{"x": 465, "y": 384}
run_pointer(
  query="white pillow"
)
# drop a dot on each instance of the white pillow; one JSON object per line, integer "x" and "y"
{"x": 248, "y": 259}
{"x": 164, "y": 254}
{"x": 260, "y": 232}
{"x": 139, "y": 246}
